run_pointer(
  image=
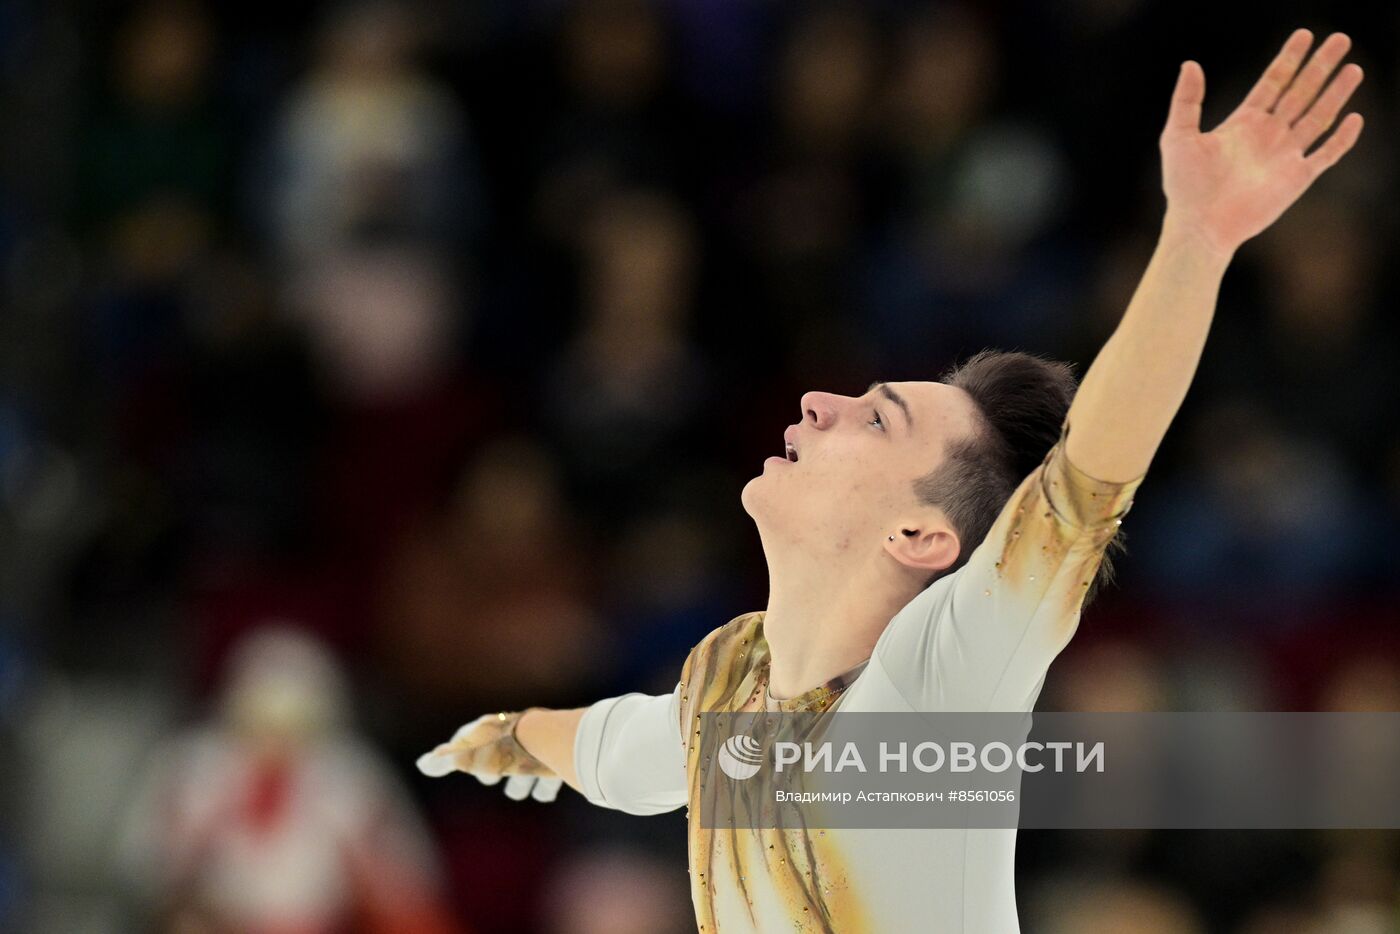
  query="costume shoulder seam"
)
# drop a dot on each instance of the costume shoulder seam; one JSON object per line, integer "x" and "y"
{"x": 705, "y": 646}
{"x": 743, "y": 621}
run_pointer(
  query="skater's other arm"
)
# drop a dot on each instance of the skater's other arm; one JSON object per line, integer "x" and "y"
{"x": 1222, "y": 188}
{"x": 622, "y": 752}
{"x": 548, "y": 735}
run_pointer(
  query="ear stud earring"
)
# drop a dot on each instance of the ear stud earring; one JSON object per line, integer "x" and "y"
{"x": 891, "y": 538}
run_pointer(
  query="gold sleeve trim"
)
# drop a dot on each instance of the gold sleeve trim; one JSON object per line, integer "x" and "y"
{"x": 1081, "y": 500}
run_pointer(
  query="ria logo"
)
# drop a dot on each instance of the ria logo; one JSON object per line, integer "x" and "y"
{"x": 740, "y": 757}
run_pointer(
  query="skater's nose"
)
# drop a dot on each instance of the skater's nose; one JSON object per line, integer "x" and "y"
{"x": 820, "y": 409}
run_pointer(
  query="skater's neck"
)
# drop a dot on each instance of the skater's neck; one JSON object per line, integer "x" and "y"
{"x": 823, "y": 619}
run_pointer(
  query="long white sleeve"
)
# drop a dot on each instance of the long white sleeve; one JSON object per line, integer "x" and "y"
{"x": 983, "y": 638}
{"x": 629, "y": 755}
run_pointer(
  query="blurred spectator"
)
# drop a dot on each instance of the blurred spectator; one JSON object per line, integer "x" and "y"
{"x": 1116, "y": 907}
{"x": 619, "y": 126}
{"x": 154, "y": 173}
{"x": 1316, "y": 351}
{"x": 160, "y": 135}
{"x": 486, "y": 604}
{"x": 667, "y": 590}
{"x": 276, "y": 818}
{"x": 370, "y": 148}
{"x": 1274, "y": 513}
{"x": 618, "y": 892}
{"x": 1355, "y": 893}
{"x": 1367, "y": 683}
{"x": 1112, "y": 676}
{"x": 1358, "y": 891}
{"x": 253, "y": 417}
{"x": 632, "y": 379}
{"x": 800, "y": 214}
{"x": 382, "y": 322}
{"x": 373, "y": 183}
{"x": 959, "y": 260}
{"x": 826, "y": 79}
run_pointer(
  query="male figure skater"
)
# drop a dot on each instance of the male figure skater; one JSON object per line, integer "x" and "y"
{"x": 999, "y": 483}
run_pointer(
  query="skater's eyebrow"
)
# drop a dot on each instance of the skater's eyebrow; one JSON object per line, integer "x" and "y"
{"x": 894, "y": 397}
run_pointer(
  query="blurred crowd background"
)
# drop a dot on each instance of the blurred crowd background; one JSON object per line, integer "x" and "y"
{"x": 365, "y": 368}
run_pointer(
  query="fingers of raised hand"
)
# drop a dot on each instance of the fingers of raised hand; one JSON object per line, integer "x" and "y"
{"x": 1280, "y": 72}
{"x": 1336, "y": 145}
{"x": 1301, "y": 93}
{"x": 1185, "y": 115}
{"x": 1324, "y": 110}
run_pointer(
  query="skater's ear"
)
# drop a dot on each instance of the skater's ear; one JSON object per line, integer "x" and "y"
{"x": 926, "y": 543}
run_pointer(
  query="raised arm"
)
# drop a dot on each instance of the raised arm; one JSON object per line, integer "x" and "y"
{"x": 1222, "y": 188}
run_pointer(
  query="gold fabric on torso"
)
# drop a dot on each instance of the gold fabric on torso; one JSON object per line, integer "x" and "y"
{"x": 733, "y": 870}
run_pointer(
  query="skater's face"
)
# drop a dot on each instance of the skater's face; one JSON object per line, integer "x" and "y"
{"x": 848, "y": 478}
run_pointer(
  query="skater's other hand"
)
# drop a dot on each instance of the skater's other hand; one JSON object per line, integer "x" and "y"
{"x": 487, "y": 749}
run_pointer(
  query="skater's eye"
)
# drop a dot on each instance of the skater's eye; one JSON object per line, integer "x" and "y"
{"x": 877, "y": 420}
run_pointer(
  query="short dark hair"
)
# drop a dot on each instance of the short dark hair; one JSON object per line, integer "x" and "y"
{"x": 1021, "y": 401}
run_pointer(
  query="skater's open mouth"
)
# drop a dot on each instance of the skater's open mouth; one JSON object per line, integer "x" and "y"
{"x": 789, "y": 447}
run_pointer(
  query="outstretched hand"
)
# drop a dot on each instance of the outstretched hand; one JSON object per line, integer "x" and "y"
{"x": 1231, "y": 183}
{"x": 487, "y": 749}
